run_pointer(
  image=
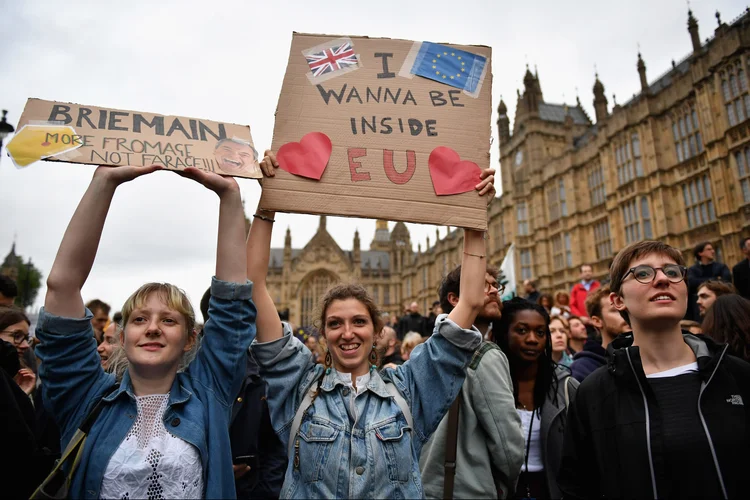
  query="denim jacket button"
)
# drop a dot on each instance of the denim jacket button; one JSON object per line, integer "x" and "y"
{"x": 175, "y": 422}
{"x": 345, "y": 392}
{"x": 359, "y": 470}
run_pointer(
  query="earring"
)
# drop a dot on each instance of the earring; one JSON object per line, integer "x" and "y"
{"x": 373, "y": 356}
{"x": 328, "y": 362}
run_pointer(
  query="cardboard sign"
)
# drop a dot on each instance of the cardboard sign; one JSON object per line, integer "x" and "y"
{"x": 383, "y": 128}
{"x": 74, "y": 133}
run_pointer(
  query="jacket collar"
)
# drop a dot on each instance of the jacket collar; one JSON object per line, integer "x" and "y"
{"x": 376, "y": 384}
{"x": 177, "y": 393}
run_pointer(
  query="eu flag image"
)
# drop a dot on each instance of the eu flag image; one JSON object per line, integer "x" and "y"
{"x": 450, "y": 66}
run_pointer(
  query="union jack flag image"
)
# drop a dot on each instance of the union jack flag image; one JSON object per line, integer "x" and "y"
{"x": 331, "y": 58}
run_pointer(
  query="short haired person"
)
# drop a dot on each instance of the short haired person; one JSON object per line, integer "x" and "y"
{"x": 666, "y": 418}
{"x": 581, "y": 290}
{"x": 741, "y": 270}
{"x": 100, "y": 310}
{"x": 236, "y": 156}
{"x": 389, "y": 350}
{"x": 609, "y": 325}
{"x": 8, "y": 290}
{"x": 489, "y": 448}
{"x": 412, "y": 321}
{"x": 709, "y": 290}
{"x": 578, "y": 334}
{"x": 532, "y": 294}
{"x": 705, "y": 268}
{"x": 429, "y": 324}
{"x": 352, "y": 431}
{"x": 160, "y": 431}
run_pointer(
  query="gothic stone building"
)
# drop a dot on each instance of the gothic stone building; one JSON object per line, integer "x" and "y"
{"x": 673, "y": 163}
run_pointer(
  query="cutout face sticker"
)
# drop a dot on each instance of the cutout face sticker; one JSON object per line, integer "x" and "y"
{"x": 236, "y": 157}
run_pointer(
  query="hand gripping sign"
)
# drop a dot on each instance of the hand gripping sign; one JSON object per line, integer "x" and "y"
{"x": 383, "y": 128}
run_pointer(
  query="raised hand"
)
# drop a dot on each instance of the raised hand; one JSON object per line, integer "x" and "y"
{"x": 26, "y": 380}
{"x": 122, "y": 174}
{"x": 269, "y": 164}
{"x": 219, "y": 184}
{"x": 487, "y": 186}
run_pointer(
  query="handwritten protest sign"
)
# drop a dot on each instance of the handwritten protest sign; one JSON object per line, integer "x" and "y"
{"x": 383, "y": 128}
{"x": 74, "y": 133}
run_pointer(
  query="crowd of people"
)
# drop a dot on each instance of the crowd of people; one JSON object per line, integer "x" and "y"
{"x": 612, "y": 389}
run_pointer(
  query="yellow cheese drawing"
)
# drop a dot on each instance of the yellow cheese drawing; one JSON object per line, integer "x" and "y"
{"x": 37, "y": 142}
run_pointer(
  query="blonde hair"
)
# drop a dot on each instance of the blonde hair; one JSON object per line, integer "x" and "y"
{"x": 173, "y": 297}
{"x": 118, "y": 360}
{"x": 411, "y": 340}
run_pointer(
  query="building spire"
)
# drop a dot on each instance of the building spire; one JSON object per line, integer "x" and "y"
{"x": 695, "y": 37}
{"x": 642, "y": 72}
{"x": 322, "y": 225}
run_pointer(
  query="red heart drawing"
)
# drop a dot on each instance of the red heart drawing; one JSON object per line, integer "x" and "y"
{"x": 306, "y": 158}
{"x": 451, "y": 175}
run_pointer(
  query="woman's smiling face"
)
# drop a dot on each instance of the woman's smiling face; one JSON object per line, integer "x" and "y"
{"x": 350, "y": 334}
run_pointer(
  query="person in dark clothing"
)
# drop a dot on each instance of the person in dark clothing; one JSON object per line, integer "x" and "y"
{"x": 429, "y": 324}
{"x": 260, "y": 459}
{"x": 704, "y": 269}
{"x": 532, "y": 294}
{"x": 666, "y": 417}
{"x": 741, "y": 271}
{"x": 608, "y": 323}
{"x": 411, "y": 322}
{"x": 728, "y": 321}
{"x": 389, "y": 352}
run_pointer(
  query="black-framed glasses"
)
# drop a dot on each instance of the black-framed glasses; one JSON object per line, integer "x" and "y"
{"x": 646, "y": 274}
{"x": 497, "y": 286}
{"x": 18, "y": 336}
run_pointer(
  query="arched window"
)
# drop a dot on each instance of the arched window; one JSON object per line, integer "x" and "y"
{"x": 646, "y": 219}
{"x": 312, "y": 289}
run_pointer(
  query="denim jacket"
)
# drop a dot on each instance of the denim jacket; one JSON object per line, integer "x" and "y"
{"x": 200, "y": 400}
{"x": 376, "y": 455}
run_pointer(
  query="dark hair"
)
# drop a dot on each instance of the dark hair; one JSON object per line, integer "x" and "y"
{"x": 699, "y": 248}
{"x": 452, "y": 284}
{"x": 98, "y": 305}
{"x": 742, "y": 242}
{"x": 436, "y": 303}
{"x": 621, "y": 265}
{"x": 8, "y": 287}
{"x": 117, "y": 318}
{"x": 546, "y": 379}
{"x": 11, "y": 316}
{"x": 728, "y": 321}
{"x": 545, "y": 296}
{"x": 204, "y": 304}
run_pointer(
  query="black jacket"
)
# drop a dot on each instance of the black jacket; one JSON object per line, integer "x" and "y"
{"x": 606, "y": 453}
{"x": 412, "y": 322}
{"x": 697, "y": 274}
{"x": 741, "y": 277}
{"x": 588, "y": 360}
{"x": 251, "y": 433}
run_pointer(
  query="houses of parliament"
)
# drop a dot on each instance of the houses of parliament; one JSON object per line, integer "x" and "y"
{"x": 672, "y": 163}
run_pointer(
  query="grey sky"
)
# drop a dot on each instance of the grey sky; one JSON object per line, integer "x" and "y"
{"x": 225, "y": 60}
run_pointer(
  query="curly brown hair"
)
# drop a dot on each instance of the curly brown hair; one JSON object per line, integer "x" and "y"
{"x": 350, "y": 291}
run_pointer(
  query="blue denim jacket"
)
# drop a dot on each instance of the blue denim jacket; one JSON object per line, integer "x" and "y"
{"x": 376, "y": 456}
{"x": 200, "y": 400}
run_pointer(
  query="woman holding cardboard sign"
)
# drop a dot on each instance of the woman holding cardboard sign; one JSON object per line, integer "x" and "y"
{"x": 158, "y": 433}
{"x": 351, "y": 431}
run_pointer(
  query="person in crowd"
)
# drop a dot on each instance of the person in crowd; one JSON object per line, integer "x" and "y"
{"x": 389, "y": 350}
{"x": 100, "y": 310}
{"x": 258, "y": 457}
{"x": 429, "y": 324}
{"x": 691, "y": 326}
{"x": 727, "y": 321}
{"x": 532, "y": 294}
{"x": 705, "y": 268}
{"x": 351, "y": 430}
{"x": 559, "y": 334}
{"x": 489, "y": 443}
{"x": 545, "y": 300}
{"x": 542, "y": 391}
{"x": 411, "y": 340}
{"x": 14, "y": 329}
{"x": 561, "y": 307}
{"x": 668, "y": 402}
{"x": 129, "y": 452}
{"x": 412, "y": 321}
{"x": 709, "y": 290}
{"x": 741, "y": 271}
{"x": 581, "y": 290}
{"x": 109, "y": 343}
{"x": 578, "y": 334}
{"x": 311, "y": 342}
{"x": 8, "y": 291}
{"x": 609, "y": 324}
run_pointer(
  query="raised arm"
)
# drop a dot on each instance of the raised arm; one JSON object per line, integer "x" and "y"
{"x": 258, "y": 252}
{"x": 81, "y": 240}
{"x": 473, "y": 270}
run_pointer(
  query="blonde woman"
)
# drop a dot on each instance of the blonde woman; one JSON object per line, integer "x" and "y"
{"x": 411, "y": 340}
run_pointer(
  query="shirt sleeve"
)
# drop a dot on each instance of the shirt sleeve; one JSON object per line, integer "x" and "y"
{"x": 220, "y": 362}
{"x": 433, "y": 375}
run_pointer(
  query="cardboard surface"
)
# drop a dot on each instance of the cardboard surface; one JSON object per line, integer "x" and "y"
{"x": 383, "y": 120}
{"x": 74, "y": 133}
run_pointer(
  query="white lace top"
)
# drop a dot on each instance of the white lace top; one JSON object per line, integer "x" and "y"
{"x": 151, "y": 462}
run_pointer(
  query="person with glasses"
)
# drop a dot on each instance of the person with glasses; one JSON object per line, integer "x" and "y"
{"x": 489, "y": 443}
{"x": 667, "y": 416}
{"x": 14, "y": 329}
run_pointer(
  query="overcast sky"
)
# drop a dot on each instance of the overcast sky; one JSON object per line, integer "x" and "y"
{"x": 225, "y": 61}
